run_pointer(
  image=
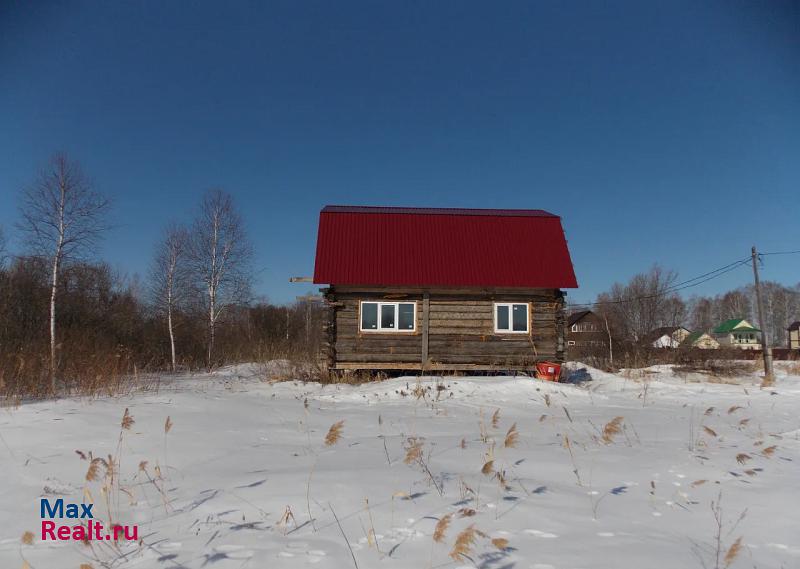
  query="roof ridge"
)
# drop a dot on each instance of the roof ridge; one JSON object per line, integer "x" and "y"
{"x": 438, "y": 211}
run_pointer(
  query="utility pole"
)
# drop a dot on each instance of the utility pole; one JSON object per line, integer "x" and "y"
{"x": 766, "y": 348}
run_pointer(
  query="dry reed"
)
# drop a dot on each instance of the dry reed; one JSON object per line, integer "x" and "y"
{"x": 733, "y": 552}
{"x": 611, "y": 429}
{"x": 413, "y": 451}
{"x": 500, "y": 543}
{"x": 441, "y": 528}
{"x": 769, "y": 451}
{"x": 464, "y": 543}
{"x": 512, "y": 437}
{"x": 334, "y": 433}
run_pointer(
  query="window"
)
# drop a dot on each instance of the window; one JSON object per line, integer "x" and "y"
{"x": 570, "y": 342}
{"x": 388, "y": 317}
{"x": 511, "y": 318}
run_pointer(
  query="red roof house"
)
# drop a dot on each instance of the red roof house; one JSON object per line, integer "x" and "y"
{"x": 397, "y": 246}
{"x": 436, "y": 289}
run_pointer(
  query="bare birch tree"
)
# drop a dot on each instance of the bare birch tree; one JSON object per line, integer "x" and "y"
{"x": 62, "y": 219}
{"x": 644, "y": 303}
{"x": 168, "y": 279}
{"x": 219, "y": 260}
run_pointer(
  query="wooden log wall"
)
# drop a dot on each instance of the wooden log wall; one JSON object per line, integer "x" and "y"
{"x": 459, "y": 330}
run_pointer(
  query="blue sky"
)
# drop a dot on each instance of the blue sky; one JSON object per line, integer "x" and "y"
{"x": 660, "y": 132}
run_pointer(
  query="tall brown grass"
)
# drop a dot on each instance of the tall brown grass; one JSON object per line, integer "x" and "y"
{"x": 464, "y": 543}
{"x": 441, "y": 528}
{"x": 334, "y": 433}
{"x": 611, "y": 429}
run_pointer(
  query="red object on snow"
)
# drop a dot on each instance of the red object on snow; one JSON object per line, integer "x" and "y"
{"x": 430, "y": 247}
{"x": 548, "y": 370}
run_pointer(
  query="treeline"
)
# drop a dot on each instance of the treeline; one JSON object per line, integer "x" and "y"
{"x": 650, "y": 300}
{"x": 68, "y": 322}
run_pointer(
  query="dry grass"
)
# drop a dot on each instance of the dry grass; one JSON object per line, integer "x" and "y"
{"x": 27, "y": 538}
{"x": 413, "y": 451}
{"x": 334, "y": 433}
{"x": 488, "y": 467}
{"x": 464, "y": 543}
{"x": 441, "y": 528}
{"x": 93, "y": 473}
{"x": 612, "y": 429}
{"x": 512, "y": 437}
{"x": 733, "y": 552}
{"x": 167, "y": 425}
{"x": 496, "y": 419}
{"x": 710, "y": 431}
{"x": 742, "y": 457}
{"x": 127, "y": 420}
{"x": 769, "y": 451}
{"x": 500, "y": 543}
{"x": 734, "y": 408}
{"x": 285, "y": 518}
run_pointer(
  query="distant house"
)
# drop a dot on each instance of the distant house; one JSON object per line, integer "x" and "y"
{"x": 667, "y": 337}
{"x": 794, "y": 336}
{"x": 441, "y": 289}
{"x": 700, "y": 340}
{"x": 738, "y": 333}
{"x": 586, "y": 335}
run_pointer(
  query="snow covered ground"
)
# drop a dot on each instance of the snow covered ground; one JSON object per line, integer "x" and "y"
{"x": 245, "y": 460}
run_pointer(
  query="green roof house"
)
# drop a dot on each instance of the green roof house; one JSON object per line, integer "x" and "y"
{"x": 738, "y": 333}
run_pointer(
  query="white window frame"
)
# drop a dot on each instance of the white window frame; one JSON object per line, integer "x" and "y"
{"x": 380, "y": 330}
{"x": 511, "y": 306}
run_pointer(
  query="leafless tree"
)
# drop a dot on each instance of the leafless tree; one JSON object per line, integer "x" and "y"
{"x": 219, "y": 259}
{"x": 168, "y": 279}
{"x": 62, "y": 219}
{"x": 734, "y": 304}
{"x": 702, "y": 313}
{"x": 644, "y": 303}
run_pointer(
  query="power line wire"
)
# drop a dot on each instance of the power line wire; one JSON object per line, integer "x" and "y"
{"x": 698, "y": 280}
{"x": 781, "y": 253}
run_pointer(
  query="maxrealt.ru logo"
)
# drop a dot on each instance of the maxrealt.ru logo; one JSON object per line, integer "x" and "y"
{"x": 93, "y": 530}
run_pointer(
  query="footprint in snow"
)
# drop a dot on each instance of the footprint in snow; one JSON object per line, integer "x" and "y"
{"x": 542, "y": 534}
{"x": 169, "y": 546}
{"x": 605, "y": 534}
{"x": 233, "y": 551}
{"x": 54, "y": 487}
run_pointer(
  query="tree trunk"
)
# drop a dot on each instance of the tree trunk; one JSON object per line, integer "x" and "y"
{"x": 53, "y": 288}
{"x": 171, "y": 332}
{"x": 211, "y": 325}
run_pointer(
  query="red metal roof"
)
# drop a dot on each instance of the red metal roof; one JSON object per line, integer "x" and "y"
{"x": 390, "y": 246}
